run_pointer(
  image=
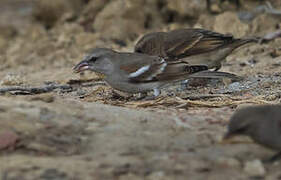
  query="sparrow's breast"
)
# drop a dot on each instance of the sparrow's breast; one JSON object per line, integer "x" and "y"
{"x": 131, "y": 87}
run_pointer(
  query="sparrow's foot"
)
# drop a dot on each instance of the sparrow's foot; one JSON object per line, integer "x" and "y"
{"x": 218, "y": 67}
{"x": 274, "y": 158}
{"x": 156, "y": 93}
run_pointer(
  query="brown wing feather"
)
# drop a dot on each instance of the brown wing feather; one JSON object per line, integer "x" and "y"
{"x": 151, "y": 44}
{"x": 187, "y": 42}
{"x": 147, "y": 71}
{"x": 177, "y": 70}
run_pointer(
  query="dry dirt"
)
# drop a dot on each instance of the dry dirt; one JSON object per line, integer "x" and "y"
{"x": 87, "y": 131}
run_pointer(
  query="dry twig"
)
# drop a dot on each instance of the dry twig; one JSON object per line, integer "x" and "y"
{"x": 34, "y": 90}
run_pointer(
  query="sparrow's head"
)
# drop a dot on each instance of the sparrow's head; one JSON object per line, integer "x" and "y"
{"x": 242, "y": 123}
{"x": 261, "y": 123}
{"x": 98, "y": 61}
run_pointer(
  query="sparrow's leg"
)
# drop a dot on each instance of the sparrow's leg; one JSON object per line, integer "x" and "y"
{"x": 156, "y": 93}
{"x": 218, "y": 67}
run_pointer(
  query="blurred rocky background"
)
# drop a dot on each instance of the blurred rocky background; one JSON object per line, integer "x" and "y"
{"x": 72, "y": 135}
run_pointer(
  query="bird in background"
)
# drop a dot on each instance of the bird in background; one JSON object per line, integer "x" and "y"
{"x": 136, "y": 72}
{"x": 261, "y": 123}
{"x": 194, "y": 46}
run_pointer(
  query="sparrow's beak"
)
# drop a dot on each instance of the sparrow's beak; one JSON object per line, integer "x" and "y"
{"x": 230, "y": 138}
{"x": 227, "y": 136}
{"x": 82, "y": 66}
{"x": 227, "y": 139}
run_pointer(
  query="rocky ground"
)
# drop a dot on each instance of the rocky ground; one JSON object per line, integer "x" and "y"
{"x": 83, "y": 130}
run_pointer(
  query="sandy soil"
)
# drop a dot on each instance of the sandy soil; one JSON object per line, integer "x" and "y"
{"x": 87, "y": 131}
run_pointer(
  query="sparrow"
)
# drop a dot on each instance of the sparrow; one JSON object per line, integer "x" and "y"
{"x": 195, "y": 46}
{"x": 136, "y": 72}
{"x": 261, "y": 123}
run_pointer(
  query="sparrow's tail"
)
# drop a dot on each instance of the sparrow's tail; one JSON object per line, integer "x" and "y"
{"x": 196, "y": 68}
{"x": 180, "y": 71}
{"x": 240, "y": 42}
{"x": 215, "y": 75}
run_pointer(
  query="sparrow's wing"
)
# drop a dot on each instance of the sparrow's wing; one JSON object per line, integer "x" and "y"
{"x": 215, "y": 75}
{"x": 141, "y": 67}
{"x": 179, "y": 70}
{"x": 144, "y": 68}
{"x": 186, "y": 42}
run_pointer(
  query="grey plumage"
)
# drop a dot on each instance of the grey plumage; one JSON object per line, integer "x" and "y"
{"x": 135, "y": 72}
{"x": 261, "y": 123}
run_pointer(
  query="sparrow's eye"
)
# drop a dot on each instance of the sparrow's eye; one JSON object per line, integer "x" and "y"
{"x": 93, "y": 59}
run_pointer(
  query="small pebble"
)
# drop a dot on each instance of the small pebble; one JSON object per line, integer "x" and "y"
{"x": 229, "y": 162}
{"x": 8, "y": 139}
{"x": 48, "y": 98}
{"x": 236, "y": 86}
{"x": 254, "y": 168}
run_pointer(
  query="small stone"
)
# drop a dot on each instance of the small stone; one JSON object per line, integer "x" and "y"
{"x": 215, "y": 8}
{"x": 157, "y": 176}
{"x": 48, "y": 98}
{"x": 183, "y": 8}
{"x": 130, "y": 176}
{"x": 49, "y": 12}
{"x": 228, "y": 22}
{"x": 228, "y": 162}
{"x": 275, "y": 53}
{"x": 81, "y": 92}
{"x": 264, "y": 23}
{"x": 236, "y": 86}
{"x": 125, "y": 24}
{"x": 39, "y": 147}
{"x": 92, "y": 127}
{"x": 8, "y": 139}
{"x": 272, "y": 97}
{"x": 30, "y": 113}
{"x": 254, "y": 168}
{"x": 266, "y": 84}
